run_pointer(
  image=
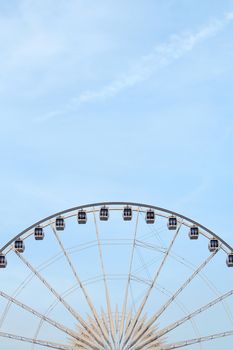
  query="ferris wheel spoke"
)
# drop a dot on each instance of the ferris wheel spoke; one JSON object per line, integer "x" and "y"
{"x": 141, "y": 280}
{"x": 195, "y": 313}
{"x": 176, "y": 324}
{"x": 73, "y": 312}
{"x": 56, "y": 324}
{"x": 25, "y": 282}
{"x": 45, "y": 343}
{"x": 170, "y": 300}
{"x": 97, "y": 324}
{"x": 122, "y": 324}
{"x": 86, "y": 335}
{"x": 144, "y": 301}
{"x": 83, "y": 289}
{"x": 51, "y": 308}
{"x": 179, "y": 304}
{"x": 188, "y": 342}
{"x": 132, "y": 297}
{"x": 150, "y": 246}
{"x": 17, "y": 291}
{"x": 107, "y": 296}
{"x": 92, "y": 322}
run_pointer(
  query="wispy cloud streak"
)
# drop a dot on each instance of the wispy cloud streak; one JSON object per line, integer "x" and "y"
{"x": 162, "y": 55}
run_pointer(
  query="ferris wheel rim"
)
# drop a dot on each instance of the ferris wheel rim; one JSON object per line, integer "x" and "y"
{"x": 140, "y": 209}
{"x": 224, "y": 244}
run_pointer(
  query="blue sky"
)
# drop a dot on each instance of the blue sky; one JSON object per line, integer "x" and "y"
{"x": 116, "y": 101}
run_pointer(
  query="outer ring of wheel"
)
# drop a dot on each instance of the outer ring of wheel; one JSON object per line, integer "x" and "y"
{"x": 160, "y": 212}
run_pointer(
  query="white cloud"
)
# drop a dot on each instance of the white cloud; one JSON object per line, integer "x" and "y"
{"x": 162, "y": 55}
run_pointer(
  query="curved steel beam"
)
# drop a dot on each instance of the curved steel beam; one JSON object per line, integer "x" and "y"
{"x": 229, "y": 247}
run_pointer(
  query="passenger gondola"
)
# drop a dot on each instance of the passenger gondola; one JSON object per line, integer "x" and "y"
{"x": 82, "y": 217}
{"x": 230, "y": 260}
{"x": 172, "y": 223}
{"x": 19, "y": 246}
{"x": 60, "y": 223}
{"x": 194, "y": 232}
{"x": 104, "y": 213}
{"x": 213, "y": 245}
{"x": 3, "y": 261}
{"x": 150, "y": 216}
{"x": 39, "y": 233}
{"x": 127, "y": 213}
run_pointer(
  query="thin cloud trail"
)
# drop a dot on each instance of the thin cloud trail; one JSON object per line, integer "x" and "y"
{"x": 163, "y": 55}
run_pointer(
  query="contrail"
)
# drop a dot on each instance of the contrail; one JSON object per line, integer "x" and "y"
{"x": 162, "y": 55}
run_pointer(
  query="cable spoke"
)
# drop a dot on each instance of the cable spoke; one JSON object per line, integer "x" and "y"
{"x": 125, "y": 326}
{"x": 128, "y": 320}
{"x": 45, "y": 343}
{"x": 54, "y": 304}
{"x": 122, "y": 324}
{"x": 167, "y": 293}
{"x": 56, "y": 324}
{"x": 173, "y": 297}
{"x": 139, "y": 312}
{"x": 195, "y": 313}
{"x": 73, "y": 312}
{"x": 185, "y": 319}
{"x": 112, "y": 330}
{"x": 197, "y": 340}
{"x": 74, "y": 271}
{"x": 150, "y": 246}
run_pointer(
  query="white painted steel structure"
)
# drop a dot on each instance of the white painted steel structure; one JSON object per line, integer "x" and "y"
{"x": 124, "y": 326}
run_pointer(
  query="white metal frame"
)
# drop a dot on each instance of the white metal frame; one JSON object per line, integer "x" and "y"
{"x": 124, "y": 331}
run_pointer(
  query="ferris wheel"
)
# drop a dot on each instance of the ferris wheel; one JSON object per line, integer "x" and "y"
{"x": 116, "y": 276}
